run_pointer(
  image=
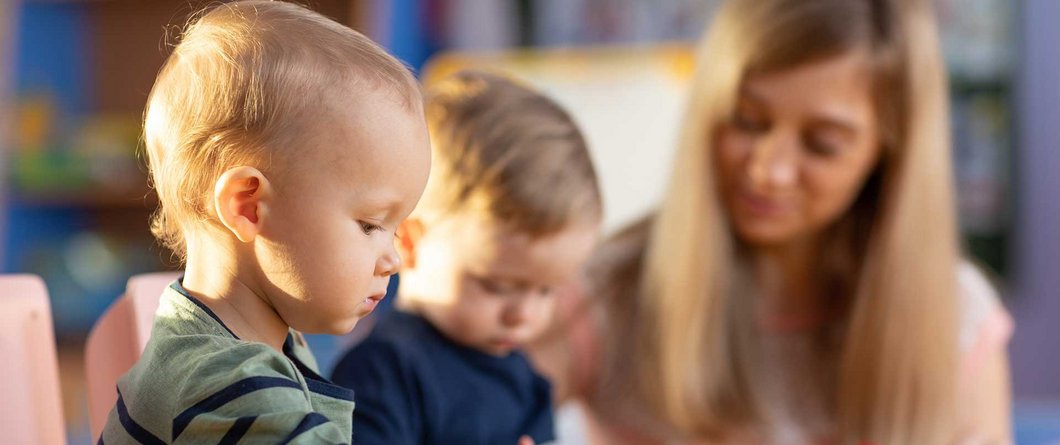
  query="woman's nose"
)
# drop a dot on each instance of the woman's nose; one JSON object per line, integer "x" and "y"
{"x": 773, "y": 162}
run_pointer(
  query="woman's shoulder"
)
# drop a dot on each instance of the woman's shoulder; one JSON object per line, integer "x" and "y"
{"x": 984, "y": 323}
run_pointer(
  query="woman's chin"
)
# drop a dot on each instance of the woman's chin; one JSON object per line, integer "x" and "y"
{"x": 764, "y": 234}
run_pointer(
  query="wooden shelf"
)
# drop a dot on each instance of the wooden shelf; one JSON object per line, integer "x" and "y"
{"x": 88, "y": 198}
{"x": 86, "y": 201}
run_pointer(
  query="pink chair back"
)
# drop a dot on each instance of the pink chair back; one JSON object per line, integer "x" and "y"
{"x": 31, "y": 410}
{"x": 118, "y": 339}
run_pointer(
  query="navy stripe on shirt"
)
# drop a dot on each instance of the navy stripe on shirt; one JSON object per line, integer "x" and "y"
{"x": 179, "y": 287}
{"x": 228, "y": 394}
{"x": 330, "y": 390}
{"x": 308, "y": 422}
{"x": 134, "y": 429}
{"x": 238, "y": 429}
{"x": 315, "y": 382}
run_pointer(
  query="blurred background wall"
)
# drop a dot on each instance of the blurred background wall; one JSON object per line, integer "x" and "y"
{"x": 1036, "y": 279}
{"x": 74, "y": 201}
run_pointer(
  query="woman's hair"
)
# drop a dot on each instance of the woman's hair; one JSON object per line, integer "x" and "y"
{"x": 893, "y": 254}
{"x": 507, "y": 153}
{"x": 247, "y": 85}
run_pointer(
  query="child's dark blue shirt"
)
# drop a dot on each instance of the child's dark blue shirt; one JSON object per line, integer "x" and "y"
{"x": 414, "y": 386}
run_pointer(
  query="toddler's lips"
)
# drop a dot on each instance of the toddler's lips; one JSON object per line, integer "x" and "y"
{"x": 506, "y": 344}
{"x": 372, "y": 301}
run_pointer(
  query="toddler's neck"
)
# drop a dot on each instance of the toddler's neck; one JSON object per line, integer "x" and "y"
{"x": 214, "y": 276}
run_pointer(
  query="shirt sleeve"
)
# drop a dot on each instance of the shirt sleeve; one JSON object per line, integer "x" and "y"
{"x": 255, "y": 395}
{"x": 985, "y": 325}
{"x": 275, "y": 426}
{"x": 388, "y": 410}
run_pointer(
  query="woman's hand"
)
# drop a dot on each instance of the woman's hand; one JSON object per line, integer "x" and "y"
{"x": 526, "y": 440}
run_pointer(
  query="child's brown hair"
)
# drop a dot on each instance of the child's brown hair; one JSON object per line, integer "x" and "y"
{"x": 506, "y": 152}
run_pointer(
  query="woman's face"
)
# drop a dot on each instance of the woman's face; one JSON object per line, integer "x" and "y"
{"x": 797, "y": 150}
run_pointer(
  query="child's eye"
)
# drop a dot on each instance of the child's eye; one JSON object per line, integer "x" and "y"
{"x": 489, "y": 286}
{"x": 369, "y": 228}
{"x": 495, "y": 287}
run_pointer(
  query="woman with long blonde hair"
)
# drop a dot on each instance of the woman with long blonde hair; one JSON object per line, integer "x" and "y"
{"x": 802, "y": 281}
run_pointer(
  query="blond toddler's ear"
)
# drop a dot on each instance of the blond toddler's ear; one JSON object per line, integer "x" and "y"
{"x": 409, "y": 234}
{"x": 240, "y": 198}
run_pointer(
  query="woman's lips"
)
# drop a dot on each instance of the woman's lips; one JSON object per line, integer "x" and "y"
{"x": 760, "y": 206}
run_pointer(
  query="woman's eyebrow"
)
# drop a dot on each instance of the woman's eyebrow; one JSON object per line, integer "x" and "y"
{"x": 837, "y": 122}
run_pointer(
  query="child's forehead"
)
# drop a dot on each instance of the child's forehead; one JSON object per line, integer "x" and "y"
{"x": 511, "y": 232}
{"x": 502, "y": 249}
{"x": 352, "y": 140}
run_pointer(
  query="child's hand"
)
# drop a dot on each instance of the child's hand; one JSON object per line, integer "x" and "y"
{"x": 526, "y": 440}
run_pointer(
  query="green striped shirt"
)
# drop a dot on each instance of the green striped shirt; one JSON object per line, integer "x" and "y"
{"x": 198, "y": 383}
